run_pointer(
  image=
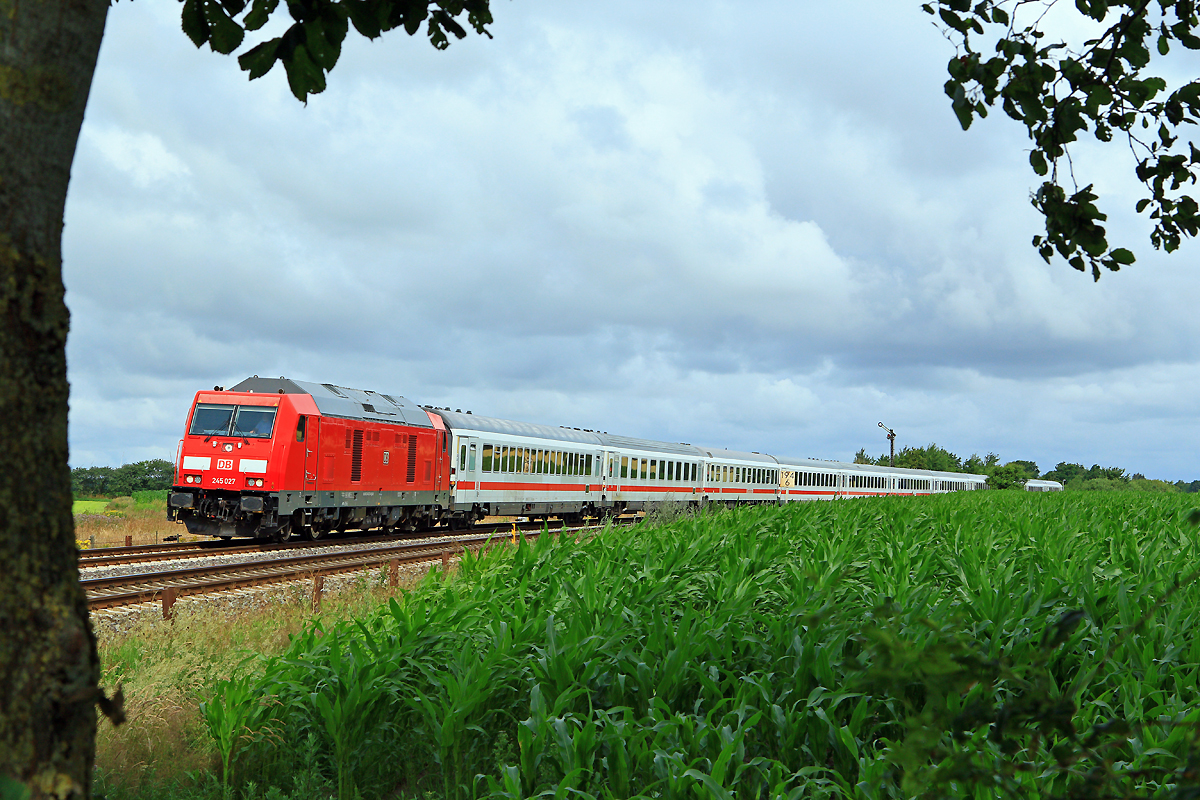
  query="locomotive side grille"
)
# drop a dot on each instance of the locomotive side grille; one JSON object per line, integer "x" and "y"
{"x": 356, "y": 458}
{"x": 412, "y": 458}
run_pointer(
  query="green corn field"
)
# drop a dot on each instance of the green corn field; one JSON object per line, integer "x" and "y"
{"x": 991, "y": 644}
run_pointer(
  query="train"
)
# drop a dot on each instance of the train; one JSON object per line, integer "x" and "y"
{"x": 272, "y": 458}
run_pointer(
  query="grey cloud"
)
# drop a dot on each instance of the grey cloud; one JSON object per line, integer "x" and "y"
{"x": 736, "y": 228}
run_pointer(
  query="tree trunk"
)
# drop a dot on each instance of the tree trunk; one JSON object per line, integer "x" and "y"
{"x": 48, "y": 665}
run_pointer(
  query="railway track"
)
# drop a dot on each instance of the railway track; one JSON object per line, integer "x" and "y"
{"x": 168, "y": 551}
{"x": 170, "y": 585}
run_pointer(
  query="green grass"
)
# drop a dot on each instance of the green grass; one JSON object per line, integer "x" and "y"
{"x": 88, "y": 506}
{"x": 893, "y": 647}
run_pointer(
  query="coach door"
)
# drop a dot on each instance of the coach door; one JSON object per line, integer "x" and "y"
{"x": 610, "y": 474}
{"x": 468, "y": 468}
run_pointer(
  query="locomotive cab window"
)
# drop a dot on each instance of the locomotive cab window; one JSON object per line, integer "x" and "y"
{"x": 300, "y": 428}
{"x": 251, "y": 422}
{"x": 211, "y": 420}
{"x": 254, "y": 422}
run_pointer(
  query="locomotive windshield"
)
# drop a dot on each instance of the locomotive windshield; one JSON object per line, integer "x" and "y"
{"x": 251, "y": 422}
{"x": 254, "y": 422}
{"x": 211, "y": 420}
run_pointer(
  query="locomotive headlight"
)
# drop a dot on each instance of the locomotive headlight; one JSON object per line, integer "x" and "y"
{"x": 188, "y": 478}
{"x": 258, "y": 482}
{"x": 228, "y": 447}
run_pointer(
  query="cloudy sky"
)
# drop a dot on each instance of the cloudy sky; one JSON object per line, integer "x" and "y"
{"x": 746, "y": 225}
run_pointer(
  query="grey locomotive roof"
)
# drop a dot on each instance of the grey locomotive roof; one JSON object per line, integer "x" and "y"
{"x": 338, "y": 401}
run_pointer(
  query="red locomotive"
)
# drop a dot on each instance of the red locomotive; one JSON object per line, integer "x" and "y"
{"x": 272, "y": 457}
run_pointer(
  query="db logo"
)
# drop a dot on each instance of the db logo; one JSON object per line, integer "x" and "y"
{"x": 224, "y": 463}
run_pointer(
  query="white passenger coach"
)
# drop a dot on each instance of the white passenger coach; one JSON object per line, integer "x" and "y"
{"x": 506, "y": 468}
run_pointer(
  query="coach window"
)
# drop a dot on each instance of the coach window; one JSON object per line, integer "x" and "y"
{"x": 624, "y": 466}
{"x": 653, "y": 469}
{"x": 588, "y": 464}
{"x": 471, "y": 460}
{"x": 462, "y": 457}
{"x": 487, "y": 458}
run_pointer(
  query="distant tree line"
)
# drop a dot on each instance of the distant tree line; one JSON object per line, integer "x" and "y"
{"x": 122, "y": 481}
{"x": 1013, "y": 474}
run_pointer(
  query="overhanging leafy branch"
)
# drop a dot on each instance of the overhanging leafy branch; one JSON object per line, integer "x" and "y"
{"x": 311, "y": 45}
{"x": 1102, "y": 87}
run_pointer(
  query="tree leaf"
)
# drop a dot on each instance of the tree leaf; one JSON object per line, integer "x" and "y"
{"x": 1038, "y": 162}
{"x": 304, "y": 76}
{"x": 226, "y": 34}
{"x": 260, "y": 12}
{"x": 259, "y": 59}
{"x": 1122, "y": 256}
{"x": 194, "y": 23}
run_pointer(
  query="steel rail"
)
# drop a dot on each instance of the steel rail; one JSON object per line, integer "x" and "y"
{"x": 151, "y": 586}
{"x": 109, "y": 556}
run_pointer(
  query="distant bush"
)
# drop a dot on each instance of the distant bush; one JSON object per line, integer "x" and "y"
{"x": 148, "y": 497}
{"x": 1149, "y": 485}
{"x": 1096, "y": 485}
{"x": 124, "y": 480}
